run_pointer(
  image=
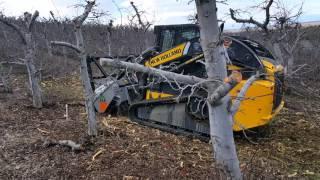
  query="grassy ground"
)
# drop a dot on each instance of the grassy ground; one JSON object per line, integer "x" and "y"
{"x": 125, "y": 150}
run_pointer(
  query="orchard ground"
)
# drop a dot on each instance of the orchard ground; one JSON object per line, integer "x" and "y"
{"x": 124, "y": 150}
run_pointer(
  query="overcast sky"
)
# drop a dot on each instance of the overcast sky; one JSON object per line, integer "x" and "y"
{"x": 157, "y": 11}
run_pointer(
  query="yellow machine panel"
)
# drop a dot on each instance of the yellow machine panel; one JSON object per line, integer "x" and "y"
{"x": 166, "y": 56}
{"x": 256, "y": 108}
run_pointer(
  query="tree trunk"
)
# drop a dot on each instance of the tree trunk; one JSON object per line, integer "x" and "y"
{"x": 92, "y": 124}
{"x": 289, "y": 64}
{"x": 49, "y": 48}
{"x": 221, "y": 120}
{"x": 34, "y": 75}
{"x": 5, "y": 79}
{"x": 109, "y": 43}
{"x": 64, "y": 53}
{"x": 278, "y": 53}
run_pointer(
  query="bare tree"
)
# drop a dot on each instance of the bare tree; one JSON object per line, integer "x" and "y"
{"x": 251, "y": 20}
{"x": 144, "y": 25}
{"x": 81, "y": 50}
{"x": 29, "y": 60}
{"x": 283, "y": 36}
{"x": 291, "y": 33}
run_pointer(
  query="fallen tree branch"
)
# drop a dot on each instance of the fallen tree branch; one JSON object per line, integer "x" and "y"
{"x": 236, "y": 104}
{"x": 43, "y": 131}
{"x": 74, "y": 146}
{"x": 13, "y": 62}
{"x": 157, "y": 72}
{"x": 67, "y": 143}
{"x": 225, "y": 88}
{"x": 97, "y": 154}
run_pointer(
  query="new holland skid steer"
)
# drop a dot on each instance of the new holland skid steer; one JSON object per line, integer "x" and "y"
{"x": 151, "y": 102}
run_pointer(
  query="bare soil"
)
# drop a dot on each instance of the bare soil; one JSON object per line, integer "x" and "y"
{"x": 289, "y": 148}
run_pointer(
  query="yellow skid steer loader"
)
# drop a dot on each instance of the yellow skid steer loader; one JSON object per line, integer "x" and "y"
{"x": 152, "y": 102}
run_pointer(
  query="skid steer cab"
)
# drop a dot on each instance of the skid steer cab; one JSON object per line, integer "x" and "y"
{"x": 177, "y": 49}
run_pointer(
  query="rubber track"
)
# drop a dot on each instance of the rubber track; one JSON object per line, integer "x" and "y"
{"x": 162, "y": 126}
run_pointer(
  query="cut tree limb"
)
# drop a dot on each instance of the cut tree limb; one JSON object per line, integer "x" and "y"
{"x": 68, "y": 143}
{"x": 221, "y": 91}
{"x": 225, "y": 88}
{"x": 13, "y": 62}
{"x": 157, "y": 72}
{"x": 236, "y": 103}
{"x": 97, "y": 154}
{"x": 74, "y": 146}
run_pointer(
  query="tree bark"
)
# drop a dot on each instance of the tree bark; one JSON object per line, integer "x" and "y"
{"x": 49, "y": 48}
{"x": 89, "y": 94}
{"x": 109, "y": 43}
{"x": 290, "y": 64}
{"x": 221, "y": 120}
{"x": 34, "y": 74}
{"x": 278, "y": 53}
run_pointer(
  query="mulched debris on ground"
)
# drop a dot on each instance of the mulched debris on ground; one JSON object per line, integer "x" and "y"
{"x": 125, "y": 150}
